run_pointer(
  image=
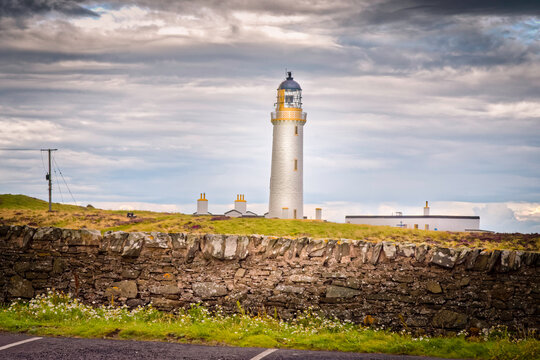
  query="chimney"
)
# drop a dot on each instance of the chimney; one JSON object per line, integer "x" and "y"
{"x": 285, "y": 213}
{"x": 240, "y": 204}
{"x": 202, "y": 205}
{"x": 318, "y": 214}
{"x": 426, "y": 210}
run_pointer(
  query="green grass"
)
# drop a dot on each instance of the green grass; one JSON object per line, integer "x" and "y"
{"x": 23, "y": 210}
{"x": 60, "y": 315}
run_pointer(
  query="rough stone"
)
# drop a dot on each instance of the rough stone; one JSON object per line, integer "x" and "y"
{"x": 21, "y": 267}
{"x": 23, "y": 237}
{"x": 530, "y": 258}
{"x": 471, "y": 258}
{"x": 193, "y": 243}
{"x": 433, "y": 287}
{"x": 340, "y": 292}
{"x": 20, "y": 288}
{"x": 364, "y": 251}
{"x": 240, "y": 273}
{"x": 213, "y": 246}
{"x": 242, "y": 247}
{"x": 130, "y": 274}
{"x": 502, "y": 292}
{"x": 444, "y": 257}
{"x": 128, "y": 288}
{"x": 505, "y": 260}
{"x": 132, "y": 303}
{"x": 421, "y": 252}
{"x": 302, "y": 278}
{"x": 231, "y": 243}
{"x": 482, "y": 261}
{"x": 449, "y": 320}
{"x": 90, "y": 237}
{"x": 463, "y": 255}
{"x": 166, "y": 304}
{"x": 42, "y": 265}
{"x": 376, "y": 253}
{"x": 207, "y": 290}
{"x": 495, "y": 255}
{"x": 389, "y": 249}
{"x": 516, "y": 259}
{"x": 407, "y": 279}
{"x": 158, "y": 240}
{"x": 59, "y": 265}
{"x": 116, "y": 240}
{"x": 133, "y": 244}
{"x": 290, "y": 289}
{"x": 178, "y": 241}
{"x": 406, "y": 250}
{"x": 169, "y": 288}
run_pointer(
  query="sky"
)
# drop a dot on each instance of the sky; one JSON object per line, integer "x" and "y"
{"x": 151, "y": 102}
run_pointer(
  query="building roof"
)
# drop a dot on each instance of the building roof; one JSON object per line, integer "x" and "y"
{"x": 410, "y": 217}
{"x": 289, "y": 84}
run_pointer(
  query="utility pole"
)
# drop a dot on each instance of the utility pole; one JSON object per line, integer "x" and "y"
{"x": 49, "y": 177}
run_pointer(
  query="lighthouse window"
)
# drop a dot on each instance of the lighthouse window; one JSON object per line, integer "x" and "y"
{"x": 296, "y": 130}
{"x": 295, "y": 164}
{"x": 292, "y": 98}
{"x": 289, "y": 100}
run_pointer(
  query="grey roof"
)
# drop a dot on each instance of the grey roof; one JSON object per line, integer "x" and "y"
{"x": 289, "y": 84}
{"x": 409, "y": 217}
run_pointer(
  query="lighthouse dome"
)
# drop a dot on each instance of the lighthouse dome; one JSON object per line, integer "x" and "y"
{"x": 289, "y": 84}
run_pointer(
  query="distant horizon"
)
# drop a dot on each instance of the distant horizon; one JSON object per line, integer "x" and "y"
{"x": 450, "y": 209}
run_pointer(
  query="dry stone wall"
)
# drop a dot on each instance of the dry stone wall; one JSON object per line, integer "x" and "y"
{"x": 418, "y": 287}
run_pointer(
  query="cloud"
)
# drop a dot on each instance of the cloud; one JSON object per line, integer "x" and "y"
{"x": 430, "y": 11}
{"x": 499, "y": 217}
{"x": 157, "y": 101}
{"x": 25, "y": 8}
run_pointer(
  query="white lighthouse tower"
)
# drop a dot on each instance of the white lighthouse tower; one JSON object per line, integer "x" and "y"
{"x": 286, "y": 180}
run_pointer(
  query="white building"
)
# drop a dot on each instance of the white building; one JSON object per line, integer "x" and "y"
{"x": 425, "y": 222}
{"x": 202, "y": 205}
{"x": 286, "y": 180}
{"x": 240, "y": 208}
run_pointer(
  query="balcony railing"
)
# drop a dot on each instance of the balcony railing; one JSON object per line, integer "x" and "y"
{"x": 289, "y": 115}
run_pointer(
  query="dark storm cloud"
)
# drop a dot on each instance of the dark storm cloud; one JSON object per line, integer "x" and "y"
{"x": 23, "y": 8}
{"x": 427, "y": 11}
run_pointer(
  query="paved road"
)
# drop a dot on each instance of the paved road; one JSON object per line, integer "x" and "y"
{"x": 16, "y": 346}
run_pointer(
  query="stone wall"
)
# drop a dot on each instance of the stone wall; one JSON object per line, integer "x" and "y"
{"x": 423, "y": 288}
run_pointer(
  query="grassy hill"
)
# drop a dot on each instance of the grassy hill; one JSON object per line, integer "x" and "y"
{"x": 24, "y": 210}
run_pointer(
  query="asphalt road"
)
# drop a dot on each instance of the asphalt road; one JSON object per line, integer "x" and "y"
{"x": 17, "y": 346}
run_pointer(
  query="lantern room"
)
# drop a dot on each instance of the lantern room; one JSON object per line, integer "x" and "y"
{"x": 289, "y": 95}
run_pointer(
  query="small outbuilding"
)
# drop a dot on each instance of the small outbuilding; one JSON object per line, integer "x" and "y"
{"x": 424, "y": 222}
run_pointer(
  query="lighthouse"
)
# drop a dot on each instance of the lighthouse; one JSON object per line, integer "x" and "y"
{"x": 286, "y": 179}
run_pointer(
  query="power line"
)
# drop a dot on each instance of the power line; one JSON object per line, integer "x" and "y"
{"x": 43, "y": 162}
{"x": 48, "y": 175}
{"x": 62, "y": 175}
{"x": 58, "y": 183}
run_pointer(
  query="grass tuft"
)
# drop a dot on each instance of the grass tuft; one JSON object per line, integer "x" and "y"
{"x": 58, "y": 314}
{"x": 23, "y": 210}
